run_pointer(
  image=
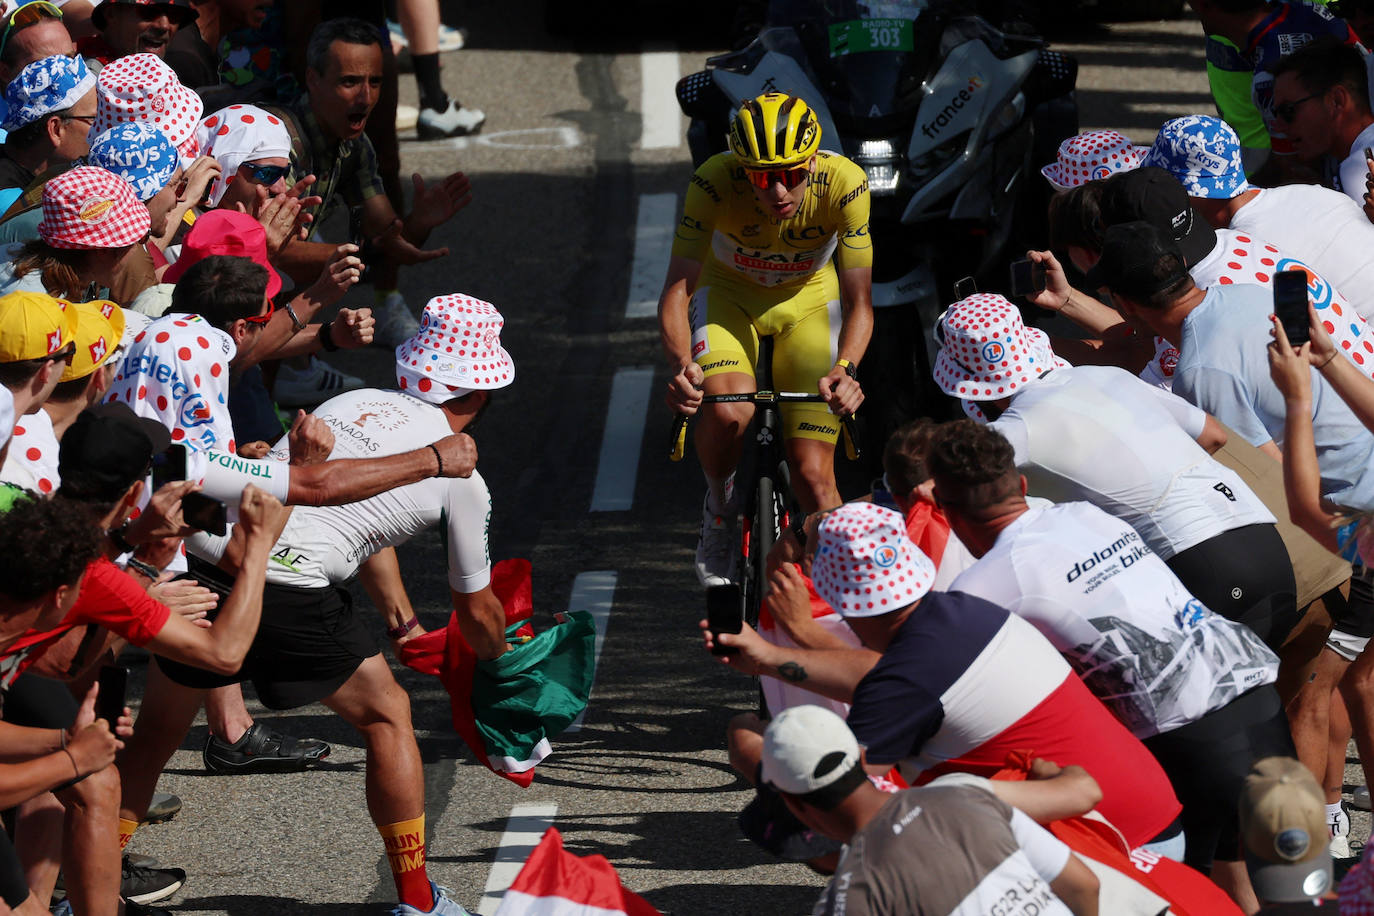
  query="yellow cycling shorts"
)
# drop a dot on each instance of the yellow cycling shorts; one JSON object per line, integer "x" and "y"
{"x": 727, "y": 320}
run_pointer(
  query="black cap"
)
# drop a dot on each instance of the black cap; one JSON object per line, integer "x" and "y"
{"x": 1155, "y": 196}
{"x": 106, "y": 449}
{"x": 1138, "y": 260}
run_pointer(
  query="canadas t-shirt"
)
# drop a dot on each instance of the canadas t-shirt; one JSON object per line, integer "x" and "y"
{"x": 1323, "y": 228}
{"x": 1099, "y": 434}
{"x": 947, "y": 851}
{"x": 1241, "y": 259}
{"x": 1144, "y": 646}
{"x": 964, "y": 683}
{"x": 325, "y": 545}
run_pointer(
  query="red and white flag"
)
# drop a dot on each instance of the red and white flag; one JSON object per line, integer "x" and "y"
{"x": 554, "y": 882}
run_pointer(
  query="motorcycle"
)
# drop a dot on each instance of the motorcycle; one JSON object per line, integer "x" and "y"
{"x": 947, "y": 115}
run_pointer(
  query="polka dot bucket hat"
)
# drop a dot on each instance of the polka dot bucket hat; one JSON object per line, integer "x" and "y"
{"x": 986, "y": 352}
{"x": 457, "y": 350}
{"x": 140, "y": 87}
{"x": 865, "y": 564}
{"x": 1091, "y": 156}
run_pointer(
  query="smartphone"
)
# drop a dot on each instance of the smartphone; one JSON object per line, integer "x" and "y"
{"x": 356, "y": 236}
{"x": 1027, "y": 278}
{"x": 724, "y": 613}
{"x": 965, "y": 288}
{"x": 169, "y": 466}
{"x": 109, "y": 702}
{"x": 1290, "y": 305}
{"x": 204, "y": 513}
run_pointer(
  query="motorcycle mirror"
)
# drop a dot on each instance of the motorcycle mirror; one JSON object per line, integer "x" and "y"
{"x": 965, "y": 288}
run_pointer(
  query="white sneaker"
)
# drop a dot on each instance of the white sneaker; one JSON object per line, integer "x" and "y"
{"x": 315, "y": 384}
{"x": 451, "y": 122}
{"x": 407, "y": 116}
{"x": 1360, "y": 798}
{"x": 395, "y": 322}
{"x": 443, "y": 905}
{"x": 1340, "y": 847}
{"x": 717, "y": 546}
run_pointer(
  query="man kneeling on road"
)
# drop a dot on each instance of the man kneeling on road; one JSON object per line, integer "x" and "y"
{"x": 442, "y": 393}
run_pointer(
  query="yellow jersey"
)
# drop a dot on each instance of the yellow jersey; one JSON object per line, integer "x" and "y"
{"x": 725, "y": 228}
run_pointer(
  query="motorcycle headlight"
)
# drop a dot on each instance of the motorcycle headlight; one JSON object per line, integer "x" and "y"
{"x": 882, "y": 163}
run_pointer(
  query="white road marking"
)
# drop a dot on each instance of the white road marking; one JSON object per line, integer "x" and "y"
{"x": 654, "y": 226}
{"x": 620, "y": 443}
{"x": 529, "y": 138}
{"x": 660, "y": 118}
{"x": 594, "y": 592}
{"x": 526, "y": 825}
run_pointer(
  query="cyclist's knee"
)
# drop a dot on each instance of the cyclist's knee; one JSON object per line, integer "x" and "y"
{"x": 733, "y": 418}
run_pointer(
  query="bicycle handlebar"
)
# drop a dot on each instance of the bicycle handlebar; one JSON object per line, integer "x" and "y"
{"x": 679, "y": 436}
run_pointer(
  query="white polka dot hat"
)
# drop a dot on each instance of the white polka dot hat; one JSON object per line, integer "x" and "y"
{"x": 1090, "y": 156}
{"x": 457, "y": 350}
{"x": 140, "y": 87}
{"x": 986, "y": 352}
{"x": 865, "y": 564}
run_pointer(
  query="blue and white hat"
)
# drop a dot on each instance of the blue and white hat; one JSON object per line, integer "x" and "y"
{"x": 52, "y": 84}
{"x": 139, "y": 153}
{"x": 1203, "y": 153}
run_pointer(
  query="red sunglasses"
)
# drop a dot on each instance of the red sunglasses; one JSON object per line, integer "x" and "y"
{"x": 788, "y": 178}
{"x": 265, "y": 316}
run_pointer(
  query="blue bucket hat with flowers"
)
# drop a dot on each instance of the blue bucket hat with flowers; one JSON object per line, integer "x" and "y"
{"x": 46, "y": 86}
{"x": 1203, "y": 153}
{"x": 137, "y": 152}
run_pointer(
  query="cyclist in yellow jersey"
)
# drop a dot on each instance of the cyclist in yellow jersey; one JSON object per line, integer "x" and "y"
{"x": 753, "y": 255}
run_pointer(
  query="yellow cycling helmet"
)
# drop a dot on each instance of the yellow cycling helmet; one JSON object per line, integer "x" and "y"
{"x": 774, "y": 131}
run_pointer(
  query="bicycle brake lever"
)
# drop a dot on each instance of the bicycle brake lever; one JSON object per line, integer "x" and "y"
{"x": 851, "y": 440}
{"x": 679, "y": 446}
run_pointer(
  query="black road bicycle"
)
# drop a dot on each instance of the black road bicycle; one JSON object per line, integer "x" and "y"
{"x": 762, "y": 482}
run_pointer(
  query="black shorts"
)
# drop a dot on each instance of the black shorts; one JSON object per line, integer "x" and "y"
{"x": 310, "y": 641}
{"x": 1207, "y": 762}
{"x": 1244, "y": 575}
{"x": 14, "y": 886}
{"x": 1355, "y": 616}
{"x": 34, "y": 701}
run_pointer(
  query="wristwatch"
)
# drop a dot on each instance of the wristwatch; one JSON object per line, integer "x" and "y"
{"x": 848, "y": 367}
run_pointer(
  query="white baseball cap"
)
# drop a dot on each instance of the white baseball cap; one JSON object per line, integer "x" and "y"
{"x": 866, "y": 565}
{"x": 807, "y": 749}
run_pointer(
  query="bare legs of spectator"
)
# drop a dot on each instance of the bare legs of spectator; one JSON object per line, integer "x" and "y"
{"x": 90, "y": 848}
{"x": 1235, "y": 881}
{"x": 227, "y": 713}
{"x": 164, "y": 718}
{"x": 440, "y": 116}
{"x": 1338, "y": 741}
{"x": 1356, "y": 688}
{"x": 41, "y": 821}
{"x": 744, "y": 742}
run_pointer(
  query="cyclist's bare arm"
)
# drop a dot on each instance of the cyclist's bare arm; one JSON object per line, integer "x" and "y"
{"x": 842, "y": 393}
{"x": 684, "y": 390}
{"x": 482, "y": 621}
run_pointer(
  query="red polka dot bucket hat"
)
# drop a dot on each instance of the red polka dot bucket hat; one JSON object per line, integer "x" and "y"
{"x": 140, "y": 87}
{"x": 457, "y": 350}
{"x": 1090, "y": 156}
{"x": 865, "y": 565}
{"x": 987, "y": 352}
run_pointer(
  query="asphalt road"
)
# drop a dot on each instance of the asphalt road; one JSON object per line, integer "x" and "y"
{"x": 557, "y": 176}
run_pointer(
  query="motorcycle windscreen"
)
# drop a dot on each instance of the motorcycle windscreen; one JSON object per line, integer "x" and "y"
{"x": 870, "y": 56}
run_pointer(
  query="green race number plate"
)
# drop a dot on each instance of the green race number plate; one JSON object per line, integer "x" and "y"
{"x": 860, "y": 35}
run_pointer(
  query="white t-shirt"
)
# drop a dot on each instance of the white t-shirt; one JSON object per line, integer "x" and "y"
{"x": 1321, "y": 227}
{"x": 32, "y": 459}
{"x": 1147, "y": 648}
{"x": 325, "y": 545}
{"x": 1101, "y": 435}
{"x": 1243, "y": 259}
{"x": 1353, "y": 172}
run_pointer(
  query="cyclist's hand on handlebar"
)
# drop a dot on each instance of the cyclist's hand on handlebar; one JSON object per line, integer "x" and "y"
{"x": 753, "y": 650}
{"x": 1055, "y": 295}
{"x": 684, "y": 389}
{"x": 841, "y": 393}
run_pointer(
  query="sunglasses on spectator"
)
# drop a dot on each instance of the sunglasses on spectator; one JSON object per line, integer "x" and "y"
{"x": 788, "y": 178}
{"x": 1287, "y": 110}
{"x": 28, "y": 14}
{"x": 65, "y": 355}
{"x": 265, "y": 316}
{"x": 266, "y": 174}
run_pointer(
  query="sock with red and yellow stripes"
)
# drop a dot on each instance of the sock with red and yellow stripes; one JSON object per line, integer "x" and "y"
{"x": 126, "y": 831}
{"x": 405, "y": 851}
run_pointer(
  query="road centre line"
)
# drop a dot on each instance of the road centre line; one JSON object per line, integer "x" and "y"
{"x": 593, "y": 592}
{"x": 621, "y": 441}
{"x": 660, "y": 121}
{"x": 654, "y": 224}
{"x": 524, "y": 828}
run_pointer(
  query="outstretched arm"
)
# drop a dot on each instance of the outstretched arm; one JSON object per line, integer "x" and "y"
{"x": 832, "y": 673}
